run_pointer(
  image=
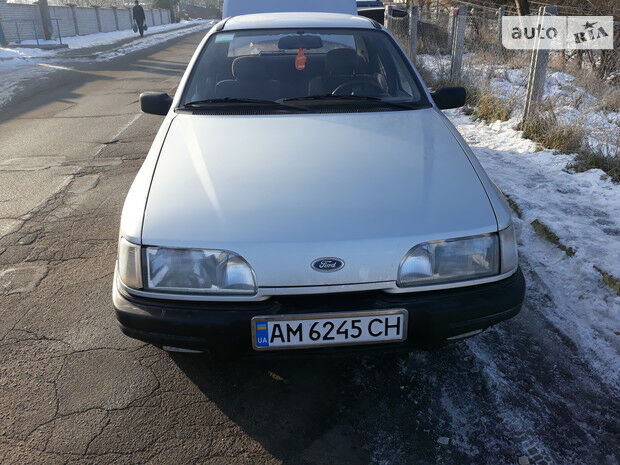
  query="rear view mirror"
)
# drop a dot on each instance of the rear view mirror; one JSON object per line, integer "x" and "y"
{"x": 300, "y": 41}
{"x": 155, "y": 103}
{"x": 449, "y": 97}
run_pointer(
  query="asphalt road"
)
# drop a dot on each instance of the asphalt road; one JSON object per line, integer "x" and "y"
{"x": 73, "y": 389}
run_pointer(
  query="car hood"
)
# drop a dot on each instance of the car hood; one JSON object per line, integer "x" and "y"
{"x": 284, "y": 190}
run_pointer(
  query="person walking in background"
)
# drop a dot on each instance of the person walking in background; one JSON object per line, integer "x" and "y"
{"x": 139, "y": 17}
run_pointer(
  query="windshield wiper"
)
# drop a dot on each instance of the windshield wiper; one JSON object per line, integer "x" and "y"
{"x": 351, "y": 98}
{"x": 243, "y": 101}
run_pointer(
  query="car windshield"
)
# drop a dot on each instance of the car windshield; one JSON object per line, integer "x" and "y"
{"x": 303, "y": 68}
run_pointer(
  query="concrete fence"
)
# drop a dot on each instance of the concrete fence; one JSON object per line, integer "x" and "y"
{"x": 19, "y": 22}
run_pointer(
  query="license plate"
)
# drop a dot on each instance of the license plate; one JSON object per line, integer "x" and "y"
{"x": 328, "y": 329}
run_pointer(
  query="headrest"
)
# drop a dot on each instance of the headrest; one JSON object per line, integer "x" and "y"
{"x": 341, "y": 61}
{"x": 249, "y": 68}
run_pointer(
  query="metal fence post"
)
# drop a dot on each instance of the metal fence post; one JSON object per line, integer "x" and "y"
{"x": 19, "y": 39}
{"x": 114, "y": 9}
{"x": 75, "y": 21}
{"x": 3, "y": 41}
{"x": 98, "y": 18}
{"x": 538, "y": 69}
{"x": 414, "y": 17}
{"x": 458, "y": 42}
{"x": 34, "y": 30}
{"x": 387, "y": 17}
{"x": 500, "y": 15}
{"x": 58, "y": 29}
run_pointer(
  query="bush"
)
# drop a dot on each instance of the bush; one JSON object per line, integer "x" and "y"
{"x": 545, "y": 130}
{"x": 586, "y": 160}
{"x": 565, "y": 138}
{"x": 490, "y": 108}
{"x": 611, "y": 101}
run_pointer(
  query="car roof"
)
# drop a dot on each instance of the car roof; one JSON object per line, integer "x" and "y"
{"x": 292, "y": 20}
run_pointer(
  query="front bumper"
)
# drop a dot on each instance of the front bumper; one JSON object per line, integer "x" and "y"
{"x": 435, "y": 317}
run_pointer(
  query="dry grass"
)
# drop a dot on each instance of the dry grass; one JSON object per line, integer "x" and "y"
{"x": 586, "y": 160}
{"x": 499, "y": 56}
{"x": 546, "y": 233}
{"x": 432, "y": 39}
{"x": 490, "y": 108}
{"x": 571, "y": 138}
{"x": 514, "y": 205}
{"x": 609, "y": 280}
{"x": 611, "y": 101}
{"x": 545, "y": 129}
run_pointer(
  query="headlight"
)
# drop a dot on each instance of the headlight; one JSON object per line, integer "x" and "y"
{"x": 198, "y": 271}
{"x": 450, "y": 260}
{"x": 129, "y": 268}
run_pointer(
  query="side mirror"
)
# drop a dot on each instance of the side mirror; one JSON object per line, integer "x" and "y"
{"x": 450, "y": 97}
{"x": 155, "y": 103}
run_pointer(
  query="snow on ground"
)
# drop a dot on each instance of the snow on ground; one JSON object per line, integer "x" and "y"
{"x": 149, "y": 40}
{"x": 20, "y": 64}
{"x": 13, "y": 76}
{"x": 572, "y": 103}
{"x": 93, "y": 40}
{"x": 583, "y": 210}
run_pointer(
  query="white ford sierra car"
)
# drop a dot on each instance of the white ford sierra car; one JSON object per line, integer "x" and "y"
{"x": 306, "y": 192}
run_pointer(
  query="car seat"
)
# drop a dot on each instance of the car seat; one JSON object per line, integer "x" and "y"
{"x": 251, "y": 80}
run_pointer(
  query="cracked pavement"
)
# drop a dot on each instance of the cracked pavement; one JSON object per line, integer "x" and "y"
{"x": 74, "y": 390}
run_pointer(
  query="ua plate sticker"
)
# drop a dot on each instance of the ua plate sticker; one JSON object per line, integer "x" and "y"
{"x": 262, "y": 334}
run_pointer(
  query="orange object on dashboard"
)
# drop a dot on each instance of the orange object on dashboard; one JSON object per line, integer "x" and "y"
{"x": 300, "y": 60}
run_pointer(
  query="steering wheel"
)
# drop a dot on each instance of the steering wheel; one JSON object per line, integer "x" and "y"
{"x": 356, "y": 87}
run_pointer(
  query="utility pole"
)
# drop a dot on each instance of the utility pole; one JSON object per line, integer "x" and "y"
{"x": 523, "y": 7}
